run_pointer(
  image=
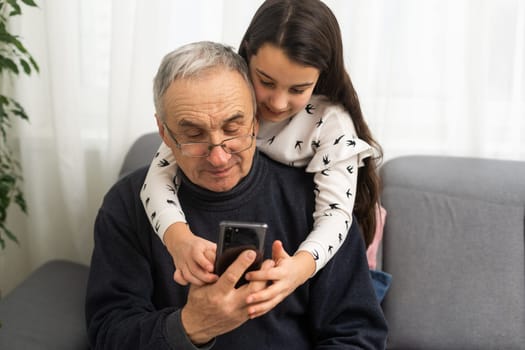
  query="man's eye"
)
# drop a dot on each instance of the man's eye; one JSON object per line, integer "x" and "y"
{"x": 231, "y": 131}
{"x": 193, "y": 135}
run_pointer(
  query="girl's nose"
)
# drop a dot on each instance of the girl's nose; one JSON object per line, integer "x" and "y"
{"x": 279, "y": 101}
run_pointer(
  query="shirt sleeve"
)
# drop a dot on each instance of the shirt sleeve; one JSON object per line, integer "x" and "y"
{"x": 159, "y": 192}
{"x": 335, "y": 196}
{"x": 338, "y": 155}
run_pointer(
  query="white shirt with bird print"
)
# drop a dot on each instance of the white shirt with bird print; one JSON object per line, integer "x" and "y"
{"x": 321, "y": 138}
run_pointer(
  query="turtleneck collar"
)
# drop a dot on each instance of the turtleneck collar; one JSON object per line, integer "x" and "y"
{"x": 237, "y": 196}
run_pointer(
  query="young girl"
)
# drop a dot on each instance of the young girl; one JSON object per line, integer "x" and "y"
{"x": 310, "y": 117}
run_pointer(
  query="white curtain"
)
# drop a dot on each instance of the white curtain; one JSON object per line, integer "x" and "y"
{"x": 434, "y": 77}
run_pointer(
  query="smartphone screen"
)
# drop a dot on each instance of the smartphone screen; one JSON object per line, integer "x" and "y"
{"x": 236, "y": 237}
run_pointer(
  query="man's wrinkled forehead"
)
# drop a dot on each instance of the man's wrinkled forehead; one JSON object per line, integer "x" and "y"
{"x": 211, "y": 99}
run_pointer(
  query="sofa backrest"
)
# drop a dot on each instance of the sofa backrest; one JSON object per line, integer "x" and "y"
{"x": 454, "y": 243}
{"x": 140, "y": 153}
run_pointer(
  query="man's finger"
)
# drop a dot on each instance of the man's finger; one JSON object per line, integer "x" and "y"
{"x": 234, "y": 272}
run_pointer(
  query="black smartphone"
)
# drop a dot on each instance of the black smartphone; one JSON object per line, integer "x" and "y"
{"x": 236, "y": 237}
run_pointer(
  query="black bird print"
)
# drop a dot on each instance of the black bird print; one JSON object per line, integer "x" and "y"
{"x": 315, "y": 254}
{"x": 350, "y": 143}
{"x": 316, "y": 143}
{"x": 326, "y": 160}
{"x": 298, "y": 144}
{"x": 144, "y": 186}
{"x": 172, "y": 189}
{"x": 156, "y": 154}
{"x": 163, "y": 163}
{"x": 270, "y": 140}
{"x": 153, "y": 215}
{"x": 340, "y": 236}
{"x": 338, "y": 139}
{"x": 334, "y": 206}
{"x": 347, "y": 223}
{"x": 348, "y": 193}
{"x": 172, "y": 202}
{"x": 325, "y": 172}
{"x": 309, "y": 107}
{"x": 350, "y": 169}
{"x": 147, "y": 201}
{"x": 330, "y": 249}
{"x": 157, "y": 226}
{"x": 320, "y": 122}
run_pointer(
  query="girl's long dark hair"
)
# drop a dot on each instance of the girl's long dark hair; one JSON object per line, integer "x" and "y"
{"x": 308, "y": 32}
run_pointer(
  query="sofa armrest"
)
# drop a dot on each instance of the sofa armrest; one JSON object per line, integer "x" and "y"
{"x": 46, "y": 311}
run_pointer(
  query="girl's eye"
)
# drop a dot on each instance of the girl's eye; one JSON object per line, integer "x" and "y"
{"x": 267, "y": 83}
{"x": 297, "y": 91}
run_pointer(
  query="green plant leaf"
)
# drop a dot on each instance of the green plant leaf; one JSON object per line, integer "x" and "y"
{"x": 30, "y": 3}
{"x": 34, "y": 64}
{"x": 9, "y": 64}
{"x": 10, "y": 234}
{"x": 16, "y": 8}
{"x": 13, "y": 40}
{"x": 26, "y": 66}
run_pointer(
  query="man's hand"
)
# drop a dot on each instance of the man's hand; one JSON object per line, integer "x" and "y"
{"x": 288, "y": 274}
{"x": 192, "y": 255}
{"x": 217, "y": 308}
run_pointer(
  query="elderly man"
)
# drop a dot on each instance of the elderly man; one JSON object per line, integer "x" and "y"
{"x": 203, "y": 93}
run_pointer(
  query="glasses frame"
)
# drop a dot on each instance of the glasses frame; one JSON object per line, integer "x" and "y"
{"x": 210, "y": 145}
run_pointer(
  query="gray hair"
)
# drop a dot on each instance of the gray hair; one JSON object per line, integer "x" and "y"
{"x": 193, "y": 60}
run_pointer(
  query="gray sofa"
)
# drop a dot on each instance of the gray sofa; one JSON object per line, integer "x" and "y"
{"x": 454, "y": 243}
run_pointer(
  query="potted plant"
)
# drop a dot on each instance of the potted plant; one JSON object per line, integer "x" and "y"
{"x": 14, "y": 60}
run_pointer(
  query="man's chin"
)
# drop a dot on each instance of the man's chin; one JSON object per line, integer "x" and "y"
{"x": 219, "y": 185}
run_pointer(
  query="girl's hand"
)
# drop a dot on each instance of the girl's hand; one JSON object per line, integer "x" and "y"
{"x": 287, "y": 274}
{"x": 192, "y": 255}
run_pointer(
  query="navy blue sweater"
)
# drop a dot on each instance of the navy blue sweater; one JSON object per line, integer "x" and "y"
{"x": 133, "y": 303}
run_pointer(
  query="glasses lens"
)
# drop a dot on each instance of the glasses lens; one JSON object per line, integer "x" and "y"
{"x": 237, "y": 144}
{"x": 195, "y": 149}
{"x": 203, "y": 149}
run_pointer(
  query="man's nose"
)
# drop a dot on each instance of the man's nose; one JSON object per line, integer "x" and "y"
{"x": 218, "y": 157}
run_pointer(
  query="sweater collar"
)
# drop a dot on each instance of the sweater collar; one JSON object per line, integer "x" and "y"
{"x": 241, "y": 193}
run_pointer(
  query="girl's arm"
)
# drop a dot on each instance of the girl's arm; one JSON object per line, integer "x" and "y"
{"x": 159, "y": 196}
{"x": 336, "y": 157}
{"x": 335, "y": 188}
{"x": 159, "y": 192}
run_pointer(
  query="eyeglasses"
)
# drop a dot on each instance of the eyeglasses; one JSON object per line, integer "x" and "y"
{"x": 232, "y": 145}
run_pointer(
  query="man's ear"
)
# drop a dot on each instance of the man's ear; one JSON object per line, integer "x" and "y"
{"x": 160, "y": 126}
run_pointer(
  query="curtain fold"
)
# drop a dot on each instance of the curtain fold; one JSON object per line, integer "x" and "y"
{"x": 436, "y": 77}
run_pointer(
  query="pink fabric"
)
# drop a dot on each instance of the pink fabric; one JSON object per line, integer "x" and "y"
{"x": 371, "y": 252}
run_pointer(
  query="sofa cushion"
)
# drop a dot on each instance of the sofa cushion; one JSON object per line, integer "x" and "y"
{"x": 454, "y": 243}
{"x": 46, "y": 311}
